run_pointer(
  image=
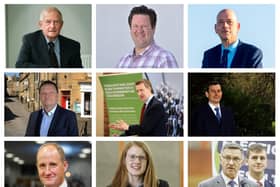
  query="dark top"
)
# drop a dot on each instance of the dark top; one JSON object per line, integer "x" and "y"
{"x": 203, "y": 122}
{"x": 64, "y": 123}
{"x": 34, "y": 52}
{"x": 153, "y": 123}
{"x": 246, "y": 56}
{"x": 162, "y": 183}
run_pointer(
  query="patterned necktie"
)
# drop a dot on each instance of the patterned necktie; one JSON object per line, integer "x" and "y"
{"x": 142, "y": 113}
{"x": 231, "y": 183}
{"x": 218, "y": 115}
{"x": 225, "y": 58}
{"x": 53, "y": 59}
{"x": 260, "y": 184}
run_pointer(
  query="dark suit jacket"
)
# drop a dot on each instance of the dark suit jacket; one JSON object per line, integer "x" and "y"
{"x": 205, "y": 123}
{"x": 218, "y": 181}
{"x": 34, "y": 52}
{"x": 246, "y": 56}
{"x": 268, "y": 184}
{"x": 64, "y": 123}
{"x": 153, "y": 123}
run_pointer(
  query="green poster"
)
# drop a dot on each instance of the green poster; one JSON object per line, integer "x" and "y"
{"x": 121, "y": 98}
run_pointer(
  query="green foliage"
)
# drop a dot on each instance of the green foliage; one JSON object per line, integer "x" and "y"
{"x": 250, "y": 95}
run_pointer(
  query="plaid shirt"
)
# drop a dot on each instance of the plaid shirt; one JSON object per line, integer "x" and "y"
{"x": 152, "y": 57}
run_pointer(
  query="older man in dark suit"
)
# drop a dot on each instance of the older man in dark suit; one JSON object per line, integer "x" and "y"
{"x": 153, "y": 117}
{"x": 212, "y": 118}
{"x": 46, "y": 47}
{"x": 231, "y": 53}
{"x": 51, "y": 120}
{"x": 231, "y": 159}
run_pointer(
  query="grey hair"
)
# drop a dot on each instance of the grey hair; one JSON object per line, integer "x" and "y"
{"x": 50, "y": 9}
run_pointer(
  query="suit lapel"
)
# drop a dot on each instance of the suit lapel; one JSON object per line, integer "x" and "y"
{"x": 237, "y": 56}
{"x": 38, "y": 123}
{"x": 149, "y": 105}
{"x": 62, "y": 50}
{"x": 220, "y": 182}
{"x": 44, "y": 47}
{"x": 212, "y": 113}
{"x": 54, "y": 122}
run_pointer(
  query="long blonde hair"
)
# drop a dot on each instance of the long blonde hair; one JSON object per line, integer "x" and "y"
{"x": 121, "y": 176}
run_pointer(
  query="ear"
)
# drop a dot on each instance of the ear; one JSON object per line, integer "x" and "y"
{"x": 65, "y": 164}
{"x": 215, "y": 28}
{"x": 238, "y": 26}
{"x": 40, "y": 24}
{"x": 206, "y": 94}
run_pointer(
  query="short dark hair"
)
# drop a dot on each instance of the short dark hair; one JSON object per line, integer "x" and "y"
{"x": 145, "y": 11}
{"x": 146, "y": 83}
{"x": 211, "y": 83}
{"x": 256, "y": 148}
{"x": 232, "y": 145}
{"x": 49, "y": 83}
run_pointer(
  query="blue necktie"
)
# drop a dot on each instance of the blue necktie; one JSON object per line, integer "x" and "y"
{"x": 225, "y": 58}
{"x": 218, "y": 115}
{"x": 231, "y": 183}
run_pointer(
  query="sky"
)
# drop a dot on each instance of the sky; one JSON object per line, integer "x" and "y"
{"x": 257, "y": 27}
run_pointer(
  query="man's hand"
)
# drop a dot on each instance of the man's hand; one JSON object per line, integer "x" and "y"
{"x": 119, "y": 125}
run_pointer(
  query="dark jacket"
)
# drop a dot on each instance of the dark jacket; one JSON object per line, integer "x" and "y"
{"x": 153, "y": 123}
{"x": 34, "y": 52}
{"x": 246, "y": 56}
{"x": 64, "y": 123}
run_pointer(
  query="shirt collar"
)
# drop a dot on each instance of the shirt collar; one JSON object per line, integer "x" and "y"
{"x": 50, "y": 112}
{"x": 64, "y": 184}
{"x": 232, "y": 46}
{"x": 213, "y": 106}
{"x": 253, "y": 179}
{"x": 226, "y": 179}
{"x": 147, "y": 49}
{"x": 149, "y": 99}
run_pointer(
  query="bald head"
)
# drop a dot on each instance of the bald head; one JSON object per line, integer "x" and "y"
{"x": 227, "y": 27}
{"x": 51, "y": 164}
{"x": 51, "y": 147}
{"x": 227, "y": 12}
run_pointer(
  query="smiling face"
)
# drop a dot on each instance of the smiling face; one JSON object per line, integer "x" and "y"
{"x": 257, "y": 162}
{"x": 136, "y": 161}
{"x": 51, "y": 24}
{"x": 231, "y": 160}
{"x": 214, "y": 94}
{"x": 227, "y": 26}
{"x": 141, "y": 31}
{"x": 50, "y": 166}
{"x": 143, "y": 92}
{"x": 48, "y": 97}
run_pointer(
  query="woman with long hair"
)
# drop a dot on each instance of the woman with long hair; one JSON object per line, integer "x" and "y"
{"x": 136, "y": 168}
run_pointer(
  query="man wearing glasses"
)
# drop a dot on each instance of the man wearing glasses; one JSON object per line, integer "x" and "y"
{"x": 46, "y": 47}
{"x": 231, "y": 159}
{"x": 231, "y": 53}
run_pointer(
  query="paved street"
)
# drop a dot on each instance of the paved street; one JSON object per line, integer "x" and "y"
{"x": 16, "y": 117}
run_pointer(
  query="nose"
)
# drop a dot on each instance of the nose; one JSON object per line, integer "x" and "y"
{"x": 47, "y": 170}
{"x": 231, "y": 161}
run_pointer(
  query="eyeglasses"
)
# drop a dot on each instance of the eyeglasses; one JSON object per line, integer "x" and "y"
{"x": 134, "y": 157}
{"x": 55, "y": 22}
{"x": 234, "y": 159}
{"x": 222, "y": 22}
